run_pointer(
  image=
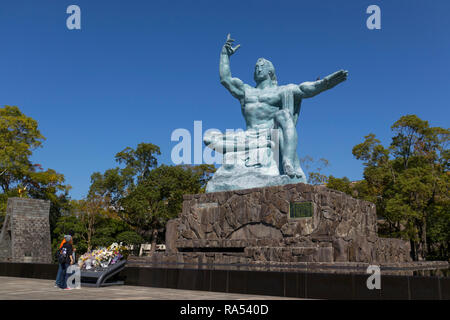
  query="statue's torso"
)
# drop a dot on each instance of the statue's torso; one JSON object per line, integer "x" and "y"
{"x": 260, "y": 105}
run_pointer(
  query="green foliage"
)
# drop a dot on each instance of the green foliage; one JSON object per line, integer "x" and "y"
{"x": 340, "y": 184}
{"x": 144, "y": 195}
{"x": 126, "y": 203}
{"x": 140, "y": 161}
{"x": 107, "y": 231}
{"x": 159, "y": 197}
{"x": 129, "y": 238}
{"x": 114, "y": 183}
{"x": 19, "y": 136}
{"x": 409, "y": 182}
{"x": 313, "y": 169}
{"x": 3, "y": 202}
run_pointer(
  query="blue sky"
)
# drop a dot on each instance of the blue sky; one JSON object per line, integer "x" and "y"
{"x": 137, "y": 70}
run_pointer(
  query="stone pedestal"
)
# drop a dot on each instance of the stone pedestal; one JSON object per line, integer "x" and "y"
{"x": 290, "y": 223}
{"x": 25, "y": 235}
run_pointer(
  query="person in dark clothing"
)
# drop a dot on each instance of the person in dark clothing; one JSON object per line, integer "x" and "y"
{"x": 67, "y": 249}
{"x": 58, "y": 281}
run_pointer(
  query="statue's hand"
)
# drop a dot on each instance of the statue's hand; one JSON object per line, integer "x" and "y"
{"x": 336, "y": 78}
{"x": 227, "y": 47}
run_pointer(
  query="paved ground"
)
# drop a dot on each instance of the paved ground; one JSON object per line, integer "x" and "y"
{"x": 37, "y": 289}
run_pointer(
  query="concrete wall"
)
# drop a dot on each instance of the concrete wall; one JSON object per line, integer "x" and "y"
{"x": 25, "y": 236}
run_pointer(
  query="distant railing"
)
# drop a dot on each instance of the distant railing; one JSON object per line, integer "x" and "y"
{"x": 144, "y": 249}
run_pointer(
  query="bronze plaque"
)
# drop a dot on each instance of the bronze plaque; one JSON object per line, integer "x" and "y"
{"x": 300, "y": 210}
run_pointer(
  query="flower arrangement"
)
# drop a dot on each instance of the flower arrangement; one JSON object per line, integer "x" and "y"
{"x": 103, "y": 257}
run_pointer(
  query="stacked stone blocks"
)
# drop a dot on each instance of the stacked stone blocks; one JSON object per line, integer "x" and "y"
{"x": 254, "y": 225}
{"x": 25, "y": 235}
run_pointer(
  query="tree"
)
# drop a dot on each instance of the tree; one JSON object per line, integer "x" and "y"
{"x": 144, "y": 195}
{"x": 115, "y": 183}
{"x": 111, "y": 185}
{"x": 159, "y": 197}
{"x": 19, "y": 137}
{"x": 409, "y": 182}
{"x": 89, "y": 211}
{"x": 48, "y": 185}
{"x": 340, "y": 184}
{"x": 106, "y": 230}
{"x": 420, "y": 166}
{"x": 314, "y": 169}
{"x": 141, "y": 161}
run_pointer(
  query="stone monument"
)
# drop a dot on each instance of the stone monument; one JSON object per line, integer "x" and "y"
{"x": 290, "y": 223}
{"x": 266, "y": 153}
{"x": 258, "y": 209}
{"x": 25, "y": 235}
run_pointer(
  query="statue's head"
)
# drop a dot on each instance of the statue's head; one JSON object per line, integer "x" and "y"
{"x": 264, "y": 70}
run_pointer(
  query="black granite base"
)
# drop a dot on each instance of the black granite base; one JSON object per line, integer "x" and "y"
{"x": 285, "y": 284}
{"x": 29, "y": 270}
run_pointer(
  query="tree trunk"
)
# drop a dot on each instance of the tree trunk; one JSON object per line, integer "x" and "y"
{"x": 89, "y": 241}
{"x": 423, "y": 239}
{"x": 154, "y": 238}
{"x": 413, "y": 250}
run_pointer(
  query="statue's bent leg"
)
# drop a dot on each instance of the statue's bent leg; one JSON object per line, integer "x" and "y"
{"x": 288, "y": 148}
{"x": 298, "y": 169}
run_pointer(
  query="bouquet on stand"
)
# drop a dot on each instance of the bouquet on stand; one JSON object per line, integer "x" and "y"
{"x": 103, "y": 257}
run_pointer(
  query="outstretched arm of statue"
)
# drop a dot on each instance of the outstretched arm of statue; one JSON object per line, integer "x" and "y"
{"x": 310, "y": 89}
{"x": 234, "y": 85}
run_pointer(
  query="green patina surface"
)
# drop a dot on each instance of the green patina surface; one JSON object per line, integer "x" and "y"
{"x": 267, "y": 106}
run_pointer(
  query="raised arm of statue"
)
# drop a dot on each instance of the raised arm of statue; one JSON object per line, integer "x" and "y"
{"x": 310, "y": 89}
{"x": 234, "y": 85}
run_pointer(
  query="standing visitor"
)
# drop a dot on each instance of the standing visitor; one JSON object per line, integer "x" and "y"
{"x": 65, "y": 259}
{"x": 59, "y": 274}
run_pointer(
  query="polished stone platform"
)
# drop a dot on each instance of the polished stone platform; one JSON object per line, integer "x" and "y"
{"x": 289, "y": 284}
{"x": 413, "y": 268}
